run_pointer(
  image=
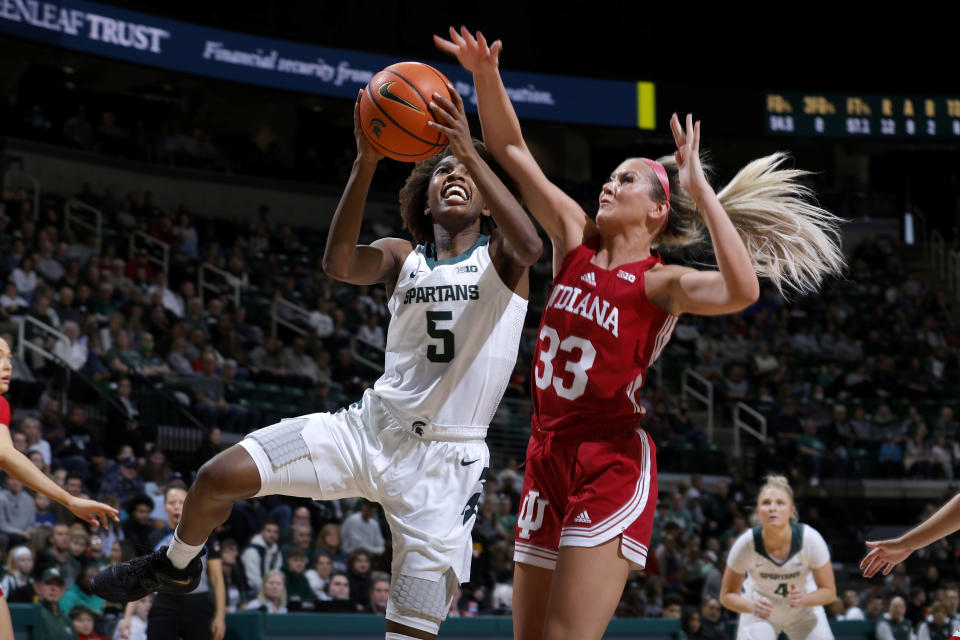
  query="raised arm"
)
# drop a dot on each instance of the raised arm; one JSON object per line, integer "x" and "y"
{"x": 886, "y": 554}
{"x": 517, "y": 245}
{"x": 735, "y": 286}
{"x": 561, "y": 217}
{"x": 20, "y": 467}
{"x": 343, "y": 258}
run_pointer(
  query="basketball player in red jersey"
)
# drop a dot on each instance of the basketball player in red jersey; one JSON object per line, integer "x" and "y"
{"x": 590, "y": 487}
{"x": 19, "y": 466}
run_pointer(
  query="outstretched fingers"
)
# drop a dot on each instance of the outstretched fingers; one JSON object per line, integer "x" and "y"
{"x": 677, "y": 131}
{"x": 445, "y": 45}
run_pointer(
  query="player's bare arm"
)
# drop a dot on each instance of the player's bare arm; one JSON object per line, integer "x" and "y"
{"x": 343, "y": 258}
{"x": 19, "y": 466}
{"x": 515, "y": 245}
{"x": 561, "y": 217}
{"x": 682, "y": 290}
{"x": 886, "y": 554}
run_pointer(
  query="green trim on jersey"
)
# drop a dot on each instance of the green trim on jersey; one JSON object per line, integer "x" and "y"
{"x": 796, "y": 543}
{"x": 430, "y": 253}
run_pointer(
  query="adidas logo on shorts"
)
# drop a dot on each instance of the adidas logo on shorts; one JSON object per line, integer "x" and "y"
{"x": 590, "y": 278}
{"x": 583, "y": 518}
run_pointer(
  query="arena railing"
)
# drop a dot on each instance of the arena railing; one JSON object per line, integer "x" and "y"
{"x": 15, "y": 180}
{"x": 204, "y": 283}
{"x": 704, "y": 394}
{"x": 150, "y": 241}
{"x": 936, "y": 253}
{"x": 368, "y": 354}
{"x": 285, "y": 313}
{"x": 739, "y": 425}
{"x": 70, "y": 210}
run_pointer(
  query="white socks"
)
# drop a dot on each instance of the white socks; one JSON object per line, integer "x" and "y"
{"x": 180, "y": 553}
{"x": 397, "y": 636}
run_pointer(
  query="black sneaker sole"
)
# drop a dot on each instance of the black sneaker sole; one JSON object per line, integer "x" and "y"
{"x": 113, "y": 584}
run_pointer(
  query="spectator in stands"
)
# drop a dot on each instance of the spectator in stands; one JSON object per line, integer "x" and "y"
{"x": 713, "y": 626}
{"x": 300, "y": 595}
{"x": 372, "y": 332}
{"x": 17, "y": 583}
{"x": 894, "y": 625}
{"x": 17, "y": 514}
{"x": 24, "y": 278}
{"x": 319, "y": 574}
{"x": 938, "y": 626}
{"x": 54, "y": 623}
{"x": 122, "y": 358}
{"x": 262, "y": 556}
{"x": 361, "y": 530}
{"x": 124, "y": 482}
{"x": 178, "y": 360}
{"x": 31, "y": 429}
{"x": 272, "y": 596}
{"x": 812, "y": 451}
{"x": 209, "y": 401}
{"x": 233, "y": 579}
{"x": 81, "y": 595}
{"x": 14, "y": 305}
{"x": 73, "y": 349}
{"x": 379, "y": 594}
{"x": 851, "y": 601}
{"x": 330, "y": 541}
{"x": 339, "y": 587}
{"x": 297, "y": 363}
{"x": 139, "y": 525}
{"x": 916, "y": 453}
{"x": 672, "y": 606}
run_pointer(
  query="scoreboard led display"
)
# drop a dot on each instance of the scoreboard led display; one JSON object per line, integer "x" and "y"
{"x": 862, "y": 116}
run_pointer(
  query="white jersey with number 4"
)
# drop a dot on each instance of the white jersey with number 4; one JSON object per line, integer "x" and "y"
{"x": 770, "y": 578}
{"x": 452, "y": 341}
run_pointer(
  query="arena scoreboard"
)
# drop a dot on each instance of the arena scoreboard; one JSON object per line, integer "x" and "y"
{"x": 855, "y": 115}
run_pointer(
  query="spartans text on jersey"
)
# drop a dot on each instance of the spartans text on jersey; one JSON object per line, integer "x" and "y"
{"x": 442, "y": 293}
{"x": 590, "y": 306}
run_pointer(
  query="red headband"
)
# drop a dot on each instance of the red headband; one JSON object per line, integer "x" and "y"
{"x": 661, "y": 174}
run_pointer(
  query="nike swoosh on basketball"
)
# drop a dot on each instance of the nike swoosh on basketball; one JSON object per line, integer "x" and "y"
{"x": 385, "y": 92}
{"x": 180, "y": 581}
{"x": 464, "y": 463}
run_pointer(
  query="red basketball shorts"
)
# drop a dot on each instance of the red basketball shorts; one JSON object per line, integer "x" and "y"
{"x": 581, "y": 492}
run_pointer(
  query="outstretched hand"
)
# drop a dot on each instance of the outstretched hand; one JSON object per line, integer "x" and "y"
{"x": 473, "y": 53}
{"x": 96, "y": 513}
{"x": 884, "y": 554}
{"x": 365, "y": 149}
{"x": 457, "y": 128}
{"x": 691, "y": 174}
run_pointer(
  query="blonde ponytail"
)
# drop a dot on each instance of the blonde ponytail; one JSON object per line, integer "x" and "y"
{"x": 791, "y": 241}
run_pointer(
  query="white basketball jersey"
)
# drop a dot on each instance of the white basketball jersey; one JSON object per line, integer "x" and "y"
{"x": 453, "y": 339}
{"x": 772, "y": 579}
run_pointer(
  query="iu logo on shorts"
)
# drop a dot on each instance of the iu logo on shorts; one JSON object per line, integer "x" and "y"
{"x": 531, "y": 514}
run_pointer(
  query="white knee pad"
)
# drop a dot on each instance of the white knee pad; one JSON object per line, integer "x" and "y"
{"x": 420, "y": 603}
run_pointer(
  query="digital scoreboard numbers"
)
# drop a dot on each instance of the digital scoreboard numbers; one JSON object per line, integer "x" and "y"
{"x": 862, "y": 116}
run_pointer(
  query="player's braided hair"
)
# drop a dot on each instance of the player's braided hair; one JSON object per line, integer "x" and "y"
{"x": 791, "y": 241}
{"x": 413, "y": 195}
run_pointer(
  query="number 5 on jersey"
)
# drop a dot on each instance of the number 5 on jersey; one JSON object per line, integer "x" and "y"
{"x": 445, "y": 353}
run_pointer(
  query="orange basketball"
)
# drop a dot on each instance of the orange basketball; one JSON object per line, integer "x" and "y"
{"x": 395, "y": 109}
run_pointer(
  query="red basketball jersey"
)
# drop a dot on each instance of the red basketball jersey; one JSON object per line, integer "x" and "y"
{"x": 4, "y": 412}
{"x": 598, "y": 336}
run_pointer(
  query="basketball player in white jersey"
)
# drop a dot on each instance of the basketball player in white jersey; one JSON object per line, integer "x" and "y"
{"x": 415, "y": 442}
{"x": 778, "y": 575}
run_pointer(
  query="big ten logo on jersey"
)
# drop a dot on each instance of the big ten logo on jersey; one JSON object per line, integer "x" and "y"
{"x": 626, "y": 275}
{"x": 531, "y": 514}
{"x": 467, "y": 268}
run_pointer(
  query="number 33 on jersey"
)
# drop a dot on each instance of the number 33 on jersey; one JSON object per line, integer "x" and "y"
{"x": 598, "y": 336}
